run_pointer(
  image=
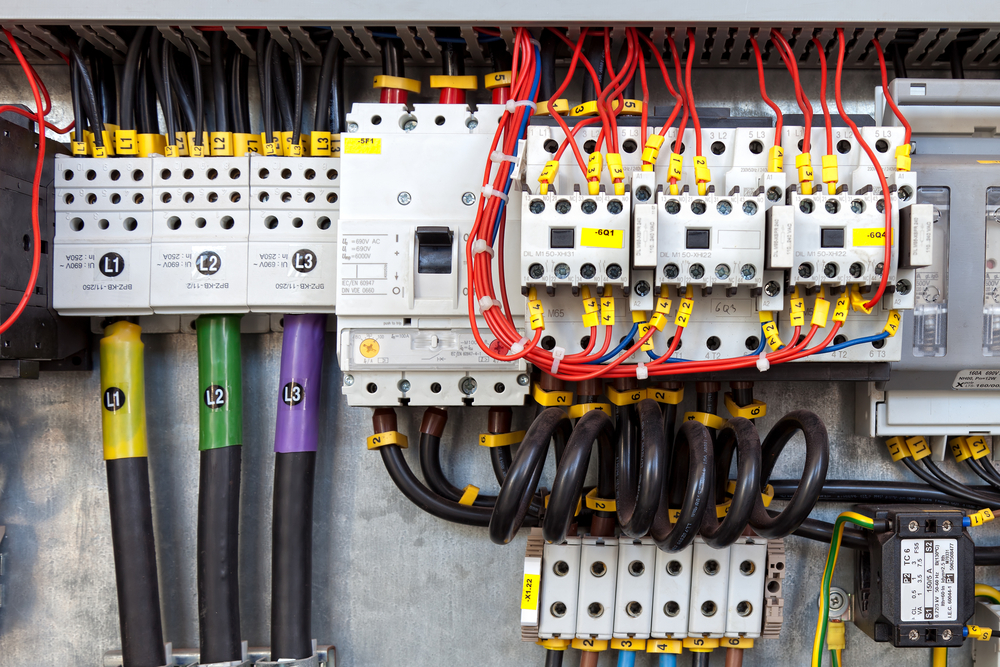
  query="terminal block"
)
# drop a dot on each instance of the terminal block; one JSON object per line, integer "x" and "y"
{"x": 104, "y": 223}
{"x": 598, "y": 581}
{"x": 634, "y": 595}
{"x": 201, "y": 223}
{"x": 560, "y": 589}
{"x": 294, "y": 208}
{"x": 672, "y": 594}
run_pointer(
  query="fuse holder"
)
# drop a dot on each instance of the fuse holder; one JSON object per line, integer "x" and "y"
{"x": 755, "y": 410}
{"x": 501, "y": 439}
{"x": 548, "y": 176}
{"x": 776, "y": 159}
{"x": 594, "y": 166}
{"x": 830, "y": 173}
{"x": 387, "y": 438}
{"x": 707, "y": 418}
{"x": 903, "y": 157}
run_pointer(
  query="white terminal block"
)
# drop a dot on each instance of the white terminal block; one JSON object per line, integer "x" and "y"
{"x": 598, "y": 580}
{"x": 712, "y": 240}
{"x": 745, "y": 602}
{"x": 709, "y": 590}
{"x": 672, "y": 594}
{"x": 575, "y": 239}
{"x": 294, "y": 208}
{"x": 557, "y": 608}
{"x": 634, "y": 596}
{"x": 201, "y": 223}
{"x": 101, "y": 249}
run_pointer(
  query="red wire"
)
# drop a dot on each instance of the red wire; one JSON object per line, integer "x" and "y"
{"x": 878, "y": 170}
{"x": 690, "y": 94}
{"x": 645, "y": 93}
{"x": 885, "y": 91}
{"x": 788, "y": 57}
{"x": 822, "y": 99}
{"x": 763, "y": 93}
{"x": 678, "y": 146}
{"x": 580, "y": 124}
{"x": 27, "y": 114}
{"x": 35, "y": 186}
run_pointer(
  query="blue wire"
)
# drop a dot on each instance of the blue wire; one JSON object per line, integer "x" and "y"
{"x": 760, "y": 347}
{"x": 626, "y": 658}
{"x": 621, "y": 346}
{"x": 668, "y": 660}
{"x": 856, "y": 341}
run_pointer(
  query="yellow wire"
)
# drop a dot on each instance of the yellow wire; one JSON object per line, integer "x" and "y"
{"x": 939, "y": 656}
{"x": 984, "y": 591}
{"x": 840, "y": 662}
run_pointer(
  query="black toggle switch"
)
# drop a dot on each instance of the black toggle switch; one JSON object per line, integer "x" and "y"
{"x": 434, "y": 246}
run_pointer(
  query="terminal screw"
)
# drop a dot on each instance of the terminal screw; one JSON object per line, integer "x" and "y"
{"x": 772, "y": 288}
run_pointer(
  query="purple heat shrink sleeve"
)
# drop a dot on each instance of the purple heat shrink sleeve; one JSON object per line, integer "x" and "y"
{"x": 301, "y": 375}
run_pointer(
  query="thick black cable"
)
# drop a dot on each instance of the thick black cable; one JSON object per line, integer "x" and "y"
{"x": 199, "y": 100}
{"x": 337, "y": 108}
{"x": 980, "y": 471}
{"x": 700, "y": 659}
{"x": 156, "y": 68}
{"x": 88, "y": 96}
{"x": 547, "y": 85}
{"x": 263, "y": 37}
{"x": 500, "y": 57}
{"x": 180, "y": 95}
{"x": 873, "y": 491}
{"x": 298, "y": 94}
{"x": 452, "y": 56}
{"x": 519, "y": 485}
{"x": 106, "y": 89}
{"x": 424, "y": 498}
{"x": 898, "y": 62}
{"x": 146, "y": 116}
{"x": 500, "y": 459}
{"x": 244, "y": 91}
{"x": 219, "y": 554}
{"x": 291, "y": 555}
{"x": 130, "y": 73}
{"x": 989, "y": 499}
{"x": 739, "y": 434}
{"x": 135, "y": 562}
{"x": 813, "y": 473}
{"x": 672, "y": 536}
{"x": 78, "y": 119}
{"x": 392, "y": 58}
{"x": 567, "y": 486}
{"x": 219, "y": 86}
{"x": 595, "y": 54}
{"x": 553, "y": 658}
{"x": 992, "y": 476}
{"x": 166, "y": 98}
{"x": 637, "y": 495}
{"x": 235, "y": 99}
{"x": 321, "y": 117}
{"x": 280, "y": 90}
{"x": 267, "y": 96}
{"x": 434, "y": 477}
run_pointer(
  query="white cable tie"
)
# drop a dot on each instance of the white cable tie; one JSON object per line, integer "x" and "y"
{"x": 518, "y": 346}
{"x": 497, "y": 156}
{"x": 481, "y": 245}
{"x": 641, "y": 372}
{"x": 558, "y": 353}
{"x": 534, "y": 41}
{"x": 486, "y": 303}
{"x": 488, "y": 191}
{"x": 763, "y": 363}
{"x": 512, "y": 105}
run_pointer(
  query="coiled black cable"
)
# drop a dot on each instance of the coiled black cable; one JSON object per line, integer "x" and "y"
{"x": 519, "y": 485}
{"x": 637, "y": 492}
{"x": 692, "y": 438}
{"x": 129, "y": 75}
{"x": 813, "y": 473}
{"x": 567, "y": 487}
{"x": 199, "y": 101}
{"x": 739, "y": 434}
{"x": 297, "y": 78}
{"x": 220, "y": 93}
{"x": 430, "y": 467}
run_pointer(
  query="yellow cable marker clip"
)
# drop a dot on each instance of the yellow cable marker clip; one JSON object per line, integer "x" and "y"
{"x": 959, "y": 449}
{"x": 397, "y": 82}
{"x": 753, "y": 411}
{"x": 123, "y": 392}
{"x": 903, "y": 157}
{"x": 642, "y": 330}
{"x": 245, "y": 143}
{"x": 830, "y": 173}
{"x": 841, "y": 308}
{"x": 559, "y": 399}
{"x": 858, "y": 301}
{"x": 171, "y": 151}
{"x": 222, "y": 144}
{"x": 651, "y": 151}
{"x": 897, "y": 448}
{"x": 607, "y": 308}
{"x": 580, "y": 409}
{"x": 461, "y": 82}
{"x": 668, "y": 396}
{"x": 561, "y": 107}
{"x": 591, "y": 314}
{"x": 918, "y": 447}
{"x": 469, "y": 495}
{"x": 629, "y": 644}
{"x": 684, "y": 310}
{"x": 702, "y": 174}
{"x": 797, "y": 311}
{"x": 981, "y": 517}
{"x": 151, "y": 143}
{"x": 501, "y": 439}
{"x": 536, "y": 314}
{"x": 892, "y": 324}
{"x": 498, "y": 80}
{"x": 623, "y": 398}
{"x": 770, "y": 332}
{"x": 584, "y": 109}
{"x": 639, "y": 316}
{"x": 700, "y": 644}
{"x": 554, "y": 644}
{"x": 320, "y": 144}
{"x": 127, "y": 142}
{"x": 548, "y": 176}
{"x": 79, "y": 148}
{"x": 979, "y": 633}
{"x": 977, "y": 446}
{"x": 776, "y": 160}
{"x": 821, "y": 311}
{"x": 590, "y": 645}
{"x": 599, "y": 504}
{"x": 594, "y": 166}
{"x": 659, "y": 319}
{"x": 617, "y": 172}
{"x": 387, "y": 438}
{"x": 674, "y": 646}
{"x": 803, "y": 163}
{"x": 674, "y": 171}
{"x": 736, "y": 642}
{"x": 707, "y": 418}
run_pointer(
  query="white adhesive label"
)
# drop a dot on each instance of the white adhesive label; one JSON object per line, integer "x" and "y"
{"x": 977, "y": 378}
{"x": 929, "y": 586}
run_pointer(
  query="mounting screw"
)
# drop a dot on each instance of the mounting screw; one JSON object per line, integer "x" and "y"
{"x": 772, "y": 288}
{"x": 404, "y": 198}
{"x": 914, "y": 635}
{"x": 468, "y": 199}
{"x": 946, "y": 526}
{"x": 472, "y": 123}
{"x": 523, "y": 380}
{"x": 903, "y": 286}
{"x": 468, "y": 386}
{"x": 914, "y": 526}
{"x": 352, "y": 127}
{"x": 348, "y": 380}
{"x": 857, "y": 269}
{"x": 946, "y": 635}
{"x": 838, "y": 600}
{"x": 878, "y": 269}
{"x": 404, "y": 386}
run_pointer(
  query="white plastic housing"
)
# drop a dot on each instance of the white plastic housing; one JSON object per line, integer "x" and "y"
{"x": 634, "y": 597}
{"x": 745, "y": 603}
{"x": 709, "y": 590}
{"x": 560, "y": 588}
{"x": 596, "y": 612}
{"x": 672, "y": 594}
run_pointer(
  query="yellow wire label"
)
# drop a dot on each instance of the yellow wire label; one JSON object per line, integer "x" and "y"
{"x": 127, "y": 142}
{"x": 222, "y": 144}
{"x": 821, "y": 311}
{"x": 798, "y": 312}
{"x": 536, "y": 314}
{"x": 770, "y": 331}
{"x": 841, "y": 308}
{"x": 668, "y": 396}
{"x": 123, "y": 395}
{"x": 684, "y": 312}
{"x": 551, "y": 398}
{"x": 363, "y": 146}
{"x": 892, "y": 324}
{"x": 591, "y": 237}
{"x": 245, "y": 143}
{"x": 675, "y": 167}
{"x": 897, "y": 448}
{"x": 501, "y": 439}
{"x": 387, "y": 438}
{"x": 607, "y": 310}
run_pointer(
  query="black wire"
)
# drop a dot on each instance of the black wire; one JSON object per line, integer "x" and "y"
{"x": 500, "y": 459}
{"x": 567, "y": 486}
{"x": 898, "y": 63}
{"x": 874, "y": 491}
{"x": 739, "y": 434}
{"x": 813, "y": 473}
{"x": 181, "y": 95}
{"x": 993, "y": 477}
{"x": 166, "y": 97}
{"x": 267, "y": 99}
{"x": 989, "y": 499}
{"x": 955, "y": 59}
{"x": 78, "y": 120}
{"x": 297, "y": 87}
{"x": 979, "y": 470}
{"x": 553, "y": 658}
{"x": 129, "y": 74}
{"x": 595, "y": 54}
{"x": 279, "y": 87}
{"x": 321, "y": 118}
{"x": 392, "y": 58}
{"x": 700, "y": 659}
{"x": 219, "y": 87}
{"x": 148, "y": 83}
{"x": 199, "y": 101}
{"x": 244, "y": 92}
{"x": 104, "y": 82}
{"x": 235, "y": 100}
{"x": 547, "y": 86}
{"x": 637, "y": 492}
{"x": 434, "y": 477}
{"x": 156, "y": 70}
{"x": 89, "y": 97}
{"x": 693, "y": 439}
